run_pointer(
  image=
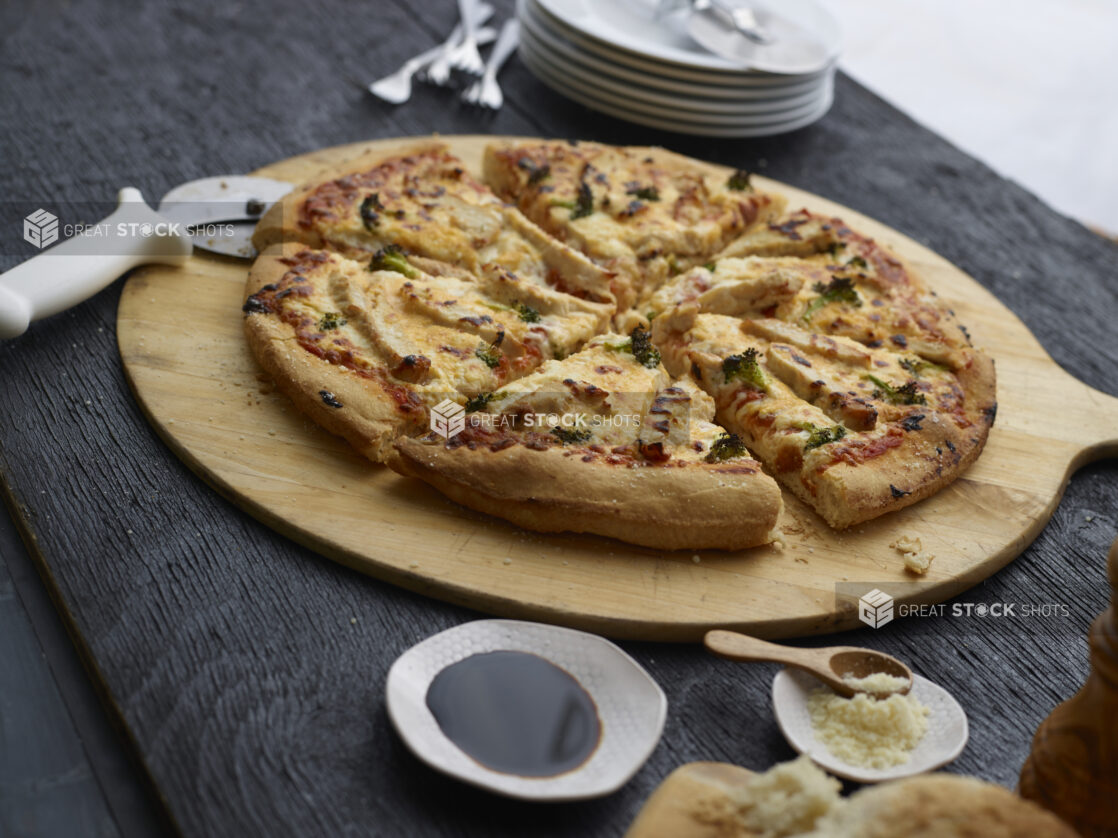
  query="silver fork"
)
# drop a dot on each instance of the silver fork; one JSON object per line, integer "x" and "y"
{"x": 486, "y": 92}
{"x": 439, "y": 71}
{"x": 465, "y": 56}
{"x": 396, "y": 88}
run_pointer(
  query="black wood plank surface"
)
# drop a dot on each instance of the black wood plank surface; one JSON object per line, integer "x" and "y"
{"x": 47, "y": 787}
{"x": 249, "y": 671}
{"x": 63, "y": 772}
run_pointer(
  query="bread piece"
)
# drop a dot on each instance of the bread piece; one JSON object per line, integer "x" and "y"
{"x": 940, "y": 806}
{"x": 695, "y": 801}
{"x": 718, "y": 800}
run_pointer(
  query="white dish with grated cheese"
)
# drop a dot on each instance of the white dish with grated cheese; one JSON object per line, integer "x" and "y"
{"x": 944, "y": 741}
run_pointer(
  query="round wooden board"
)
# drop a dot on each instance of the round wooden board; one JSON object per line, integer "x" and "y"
{"x": 181, "y": 341}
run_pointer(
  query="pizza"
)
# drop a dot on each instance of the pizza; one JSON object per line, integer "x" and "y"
{"x": 642, "y": 213}
{"x": 422, "y": 202}
{"x": 367, "y": 348}
{"x": 617, "y": 341}
{"x": 603, "y": 442}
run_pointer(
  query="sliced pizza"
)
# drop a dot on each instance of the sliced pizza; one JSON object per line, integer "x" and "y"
{"x": 603, "y": 442}
{"x": 424, "y": 205}
{"x": 366, "y": 348}
{"x": 403, "y": 284}
{"x": 742, "y": 287}
{"x": 643, "y": 214}
{"x": 853, "y": 431}
{"x": 865, "y": 291}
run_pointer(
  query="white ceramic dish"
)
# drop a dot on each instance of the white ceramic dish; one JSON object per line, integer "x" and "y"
{"x": 631, "y": 706}
{"x": 631, "y": 25}
{"x": 735, "y": 78}
{"x": 671, "y": 121}
{"x": 746, "y": 88}
{"x": 946, "y": 737}
{"x": 597, "y": 75}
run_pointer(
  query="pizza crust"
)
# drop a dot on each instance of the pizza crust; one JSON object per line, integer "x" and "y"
{"x": 671, "y": 507}
{"x": 367, "y": 418}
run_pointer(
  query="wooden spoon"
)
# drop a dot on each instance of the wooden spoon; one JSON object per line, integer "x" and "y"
{"x": 829, "y": 664}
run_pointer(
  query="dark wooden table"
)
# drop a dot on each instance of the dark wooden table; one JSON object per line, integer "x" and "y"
{"x": 227, "y": 655}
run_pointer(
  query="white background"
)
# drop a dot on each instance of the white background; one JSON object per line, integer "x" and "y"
{"x": 1028, "y": 86}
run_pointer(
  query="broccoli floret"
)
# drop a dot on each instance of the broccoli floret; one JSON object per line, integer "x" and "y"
{"x": 478, "y": 402}
{"x": 726, "y": 447}
{"x": 536, "y": 174}
{"x": 645, "y": 193}
{"x": 740, "y": 181}
{"x": 370, "y": 208}
{"x": 569, "y": 436}
{"x": 489, "y": 354}
{"x": 527, "y": 313}
{"x": 839, "y": 289}
{"x": 582, "y": 206}
{"x": 821, "y": 436}
{"x": 905, "y": 394}
{"x": 745, "y": 368}
{"x": 391, "y": 258}
{"x": 640, "y": 344}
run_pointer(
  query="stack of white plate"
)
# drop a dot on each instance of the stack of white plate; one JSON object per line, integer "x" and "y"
{"x": 621, "y": 58}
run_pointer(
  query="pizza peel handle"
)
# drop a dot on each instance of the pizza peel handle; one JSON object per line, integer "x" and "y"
{"x": 73, "y": 271}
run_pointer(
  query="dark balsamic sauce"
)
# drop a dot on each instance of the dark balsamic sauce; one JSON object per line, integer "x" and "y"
{"x": 516, "y": 713}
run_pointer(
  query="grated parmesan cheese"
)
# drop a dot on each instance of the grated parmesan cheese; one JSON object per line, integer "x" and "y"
{"x": 867, "y": 731}
{"x": 878, "y": 682}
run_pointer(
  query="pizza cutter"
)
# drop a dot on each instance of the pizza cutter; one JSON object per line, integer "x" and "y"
{"x": 217, "y": 214}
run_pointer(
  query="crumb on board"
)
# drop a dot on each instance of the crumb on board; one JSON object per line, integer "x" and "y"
{"x": 696, "y": 558}
{"x": 915, "y": 559}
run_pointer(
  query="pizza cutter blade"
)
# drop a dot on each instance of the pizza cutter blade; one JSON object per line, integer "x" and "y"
{"x": 222, "y": 211}
{"x": 216, "y": 214}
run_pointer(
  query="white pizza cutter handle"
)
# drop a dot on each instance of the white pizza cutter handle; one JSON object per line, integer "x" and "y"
{"x": 73, "y": 271}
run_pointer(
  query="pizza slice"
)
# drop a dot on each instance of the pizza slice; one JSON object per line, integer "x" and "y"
{"x": 424, "y": 205}
{"x": 603, "y": 442}
{"x": 851, "y": 430}
{"x": 366, "y": 349}
{"x": 751, "y": 286}
{"x": 643, "y": 214}
{"x": 859, "y": 290}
